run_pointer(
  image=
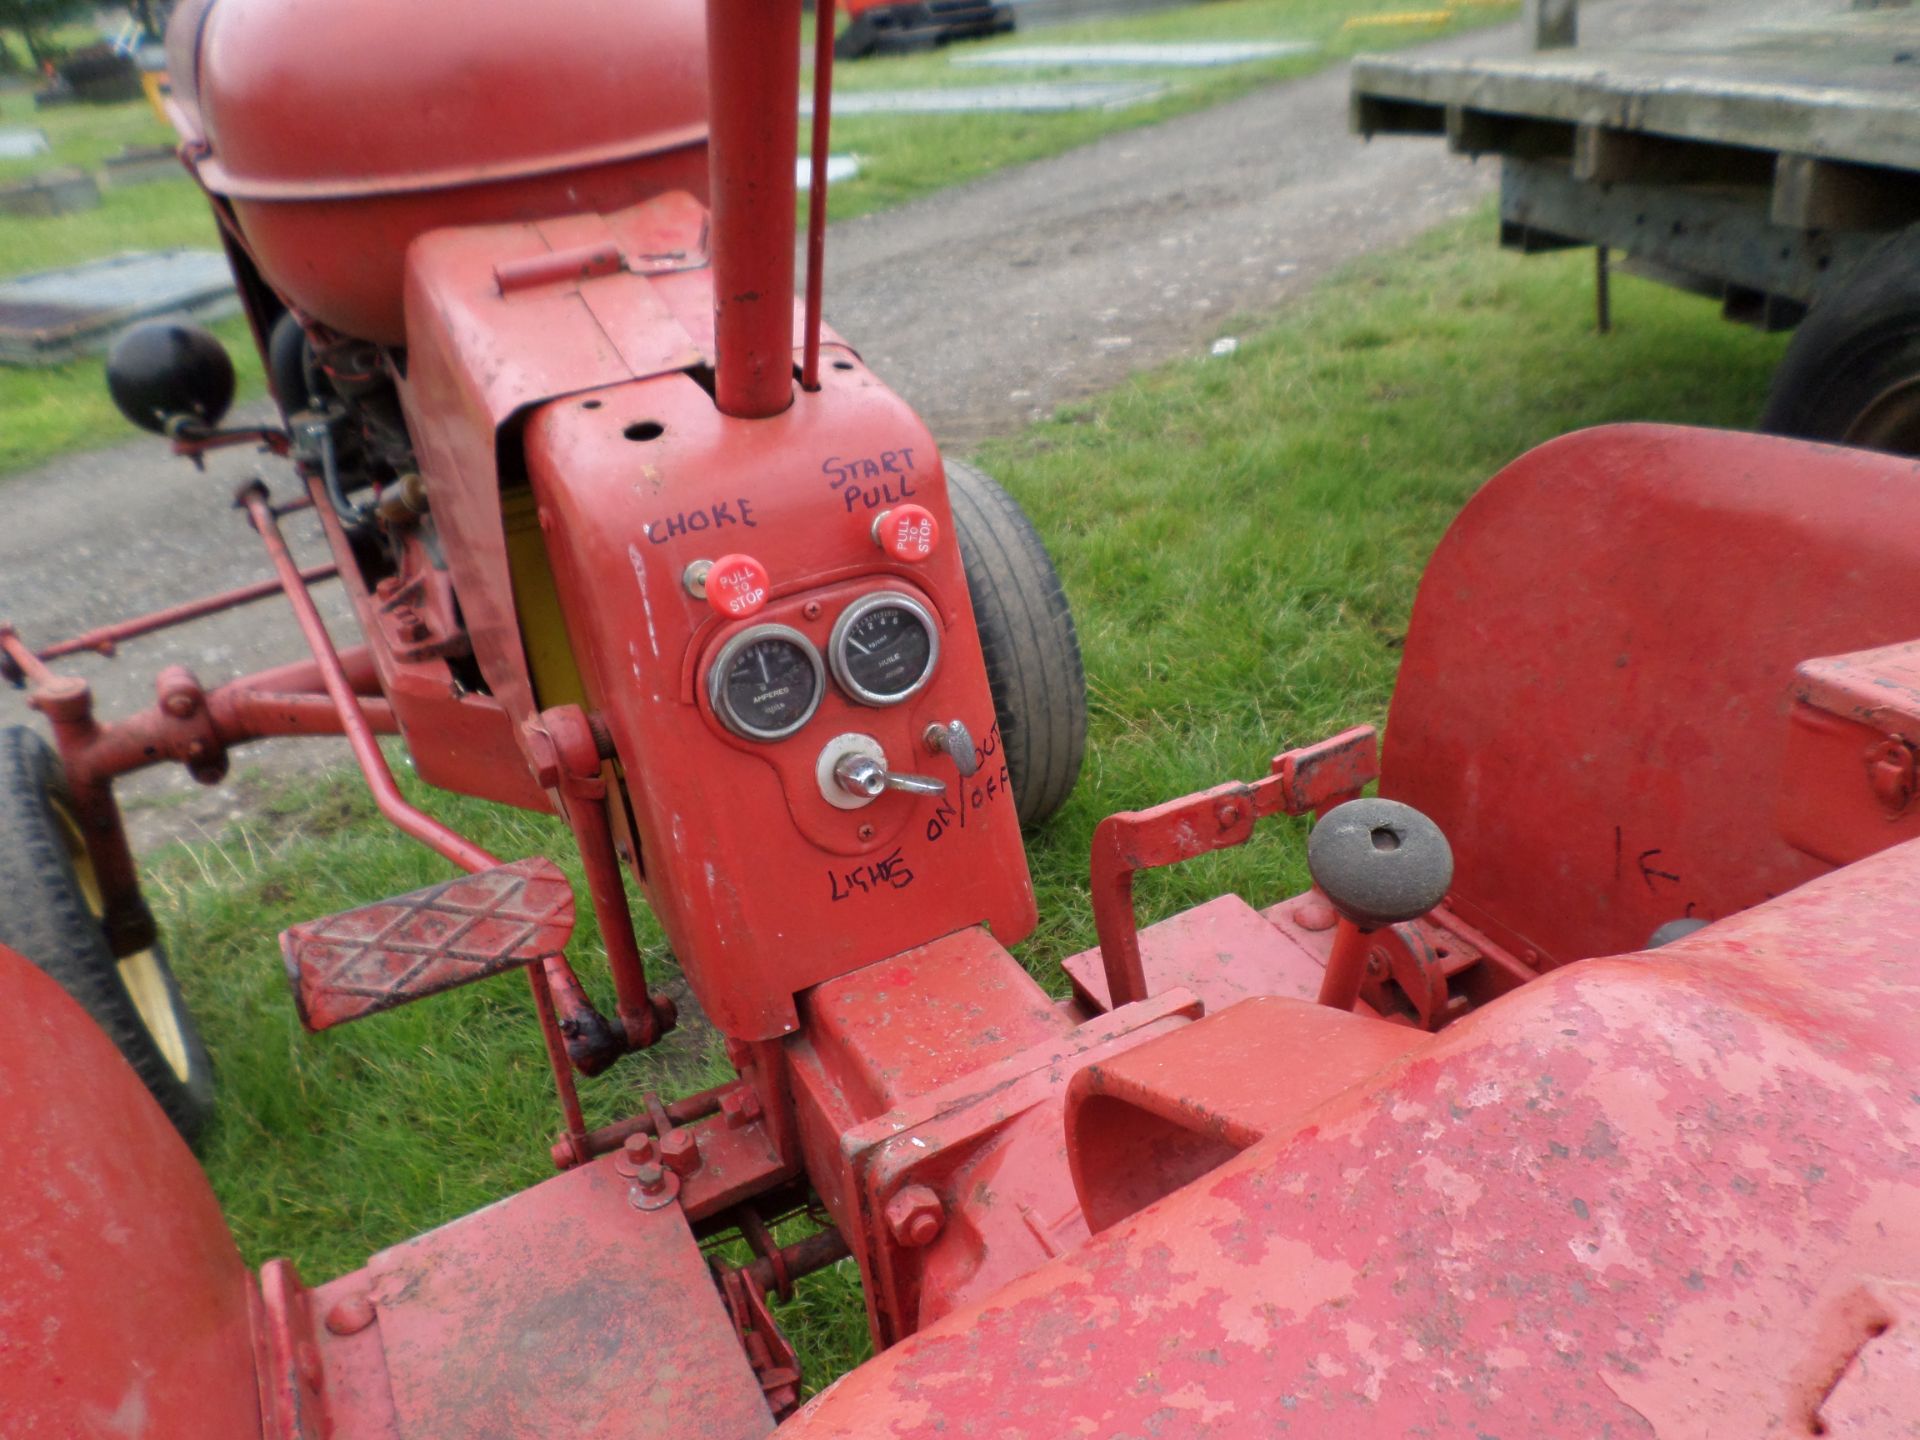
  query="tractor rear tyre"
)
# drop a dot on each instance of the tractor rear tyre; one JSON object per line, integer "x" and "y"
{"x": 50, "y": 912}
{"x": 1027, "y": 635}
{"x": 1852, "y": 372}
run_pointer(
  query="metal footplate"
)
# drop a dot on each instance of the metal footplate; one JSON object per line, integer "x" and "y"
{"x": 363, "y": 961}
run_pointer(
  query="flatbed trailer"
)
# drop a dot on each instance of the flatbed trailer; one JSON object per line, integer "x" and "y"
{"x": 1770, "y": 161}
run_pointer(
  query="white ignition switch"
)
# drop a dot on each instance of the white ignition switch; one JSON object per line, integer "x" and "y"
{"x": 852, "y": 771}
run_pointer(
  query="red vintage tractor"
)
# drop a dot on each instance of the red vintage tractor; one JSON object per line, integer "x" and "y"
{"x": 1576, "y": 1098}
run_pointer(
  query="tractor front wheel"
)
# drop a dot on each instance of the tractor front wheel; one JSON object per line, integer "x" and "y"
{"x": 50, "y": 912}
{"x": 1851, "y": 374}
{"x": 1026, "y": 632}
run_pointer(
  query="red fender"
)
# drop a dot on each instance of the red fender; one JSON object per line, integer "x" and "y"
{"x": 124, "y": 1305}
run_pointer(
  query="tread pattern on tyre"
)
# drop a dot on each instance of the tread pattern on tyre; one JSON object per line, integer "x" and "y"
{"x": 1858, "y": 338}
{"x": 44, "y": 916}
{"x": 1027, "y": 635}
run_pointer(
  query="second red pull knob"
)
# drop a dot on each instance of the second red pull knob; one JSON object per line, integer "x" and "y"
{"x": 906, "y": 532}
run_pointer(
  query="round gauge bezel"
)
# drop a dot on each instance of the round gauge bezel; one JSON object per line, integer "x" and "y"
{"x": 859, "y": 609}
{"x": 729, "y": 652}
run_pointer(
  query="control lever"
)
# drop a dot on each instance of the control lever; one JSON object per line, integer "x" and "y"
{"x": 868, "y": 778}
{"x": 1380, "y": 864}
{"x": 954, "y": 739}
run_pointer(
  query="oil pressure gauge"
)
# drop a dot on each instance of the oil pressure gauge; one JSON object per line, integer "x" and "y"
{"x": 766, "y": 682}
{"x": 884, "y": 647}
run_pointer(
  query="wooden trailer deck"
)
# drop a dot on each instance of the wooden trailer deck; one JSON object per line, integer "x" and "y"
{"x": 1755, "y": 160}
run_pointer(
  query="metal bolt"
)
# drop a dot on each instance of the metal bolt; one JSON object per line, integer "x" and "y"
{"x": 1377, "y": 964}
{"x": 180, "y": 704}
{"x": 915, "y": 1216}
{"x": 654, "y": 1188}
{"x": 635, "y": 1151}
{"x": 1314, "y": 913}
{"x": 865, "y": 832}
{"x": 1891, "y": 774}
{"x": 740, "y": 1107}
{"x": 811, "y": 610}
{"x": 1228, "y": 813}
{"x": 351, "y": 1314}
{"x": 680, "y": 1152}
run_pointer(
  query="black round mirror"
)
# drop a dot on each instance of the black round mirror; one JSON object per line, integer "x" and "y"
{"x": 166, "y": 370}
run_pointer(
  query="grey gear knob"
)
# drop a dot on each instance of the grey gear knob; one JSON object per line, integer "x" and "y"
{"x": 1380, "y": 862}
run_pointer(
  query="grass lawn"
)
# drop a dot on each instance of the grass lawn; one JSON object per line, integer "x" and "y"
{"x": 49, "y": 412}
{"x": 1240, "y": 537}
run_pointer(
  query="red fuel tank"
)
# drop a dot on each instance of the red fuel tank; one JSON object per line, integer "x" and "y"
{"x": 338, "y": 132}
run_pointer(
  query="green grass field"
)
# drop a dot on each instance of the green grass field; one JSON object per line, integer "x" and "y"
{"x": 1241, "y": 538}
{"x": 48, "y": 412}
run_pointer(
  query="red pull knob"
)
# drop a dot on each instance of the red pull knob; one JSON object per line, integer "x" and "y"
{"x": 737, "y": 586}
{"x": 906, "y": 532}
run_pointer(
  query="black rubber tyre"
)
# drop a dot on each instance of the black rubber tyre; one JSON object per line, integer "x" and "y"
{"x": 1852, "y": 372}
{"x": 1026, "y": 632}
{"x": 48, "y": 915}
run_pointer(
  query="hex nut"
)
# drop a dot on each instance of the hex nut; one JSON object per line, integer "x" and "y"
{"x": 740, "y": 1107}
{"x": 915, "y": 1216}
{"x": 680, "y": 1152}
{"x": 636, "y": 1150}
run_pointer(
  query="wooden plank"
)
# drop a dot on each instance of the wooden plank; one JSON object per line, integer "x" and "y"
{"x": 1814, "y": 194}
{"x": 1838, "y": 87}
{"x": 1369, "y": 115}
{"x": 1603, "y": 155}
{"x": 1553, "y": 24}
{"x": 1484, "y": 132}
{"x": 1727, "y": 236}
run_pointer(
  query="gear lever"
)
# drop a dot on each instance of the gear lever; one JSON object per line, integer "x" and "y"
{"x": 1379, "y": 863}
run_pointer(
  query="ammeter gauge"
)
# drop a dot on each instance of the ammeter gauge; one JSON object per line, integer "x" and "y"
{"x": 766, "y": 682}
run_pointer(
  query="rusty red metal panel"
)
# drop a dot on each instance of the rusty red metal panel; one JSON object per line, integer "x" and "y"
{"x": 123, "y": 1302}
{"x": 1223, "y": 950}
{"x": 955, "y": 1191}
{"x": 363, "y": 961}
{"x": 925, "y": 1019}
{"x": 1148, "y": 1120}
{"x": 477, "y": 359}
{"x": 842, "y": 888}
{"x": 564, "y": 1310}
{"x": 1665, "y": 1194}
{"x": 1851, "y": 776}
{"x": 1593, "y": 694}
{"x": 341, "y": 137}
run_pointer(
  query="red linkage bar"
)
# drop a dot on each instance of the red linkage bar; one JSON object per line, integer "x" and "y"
{"x": 1313, "y": 778}
{"x": 366, "y": 748}
{"x": 817, "y": 191}
{"x": 386, "y": 794}
{"x": 106, "y": 638}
